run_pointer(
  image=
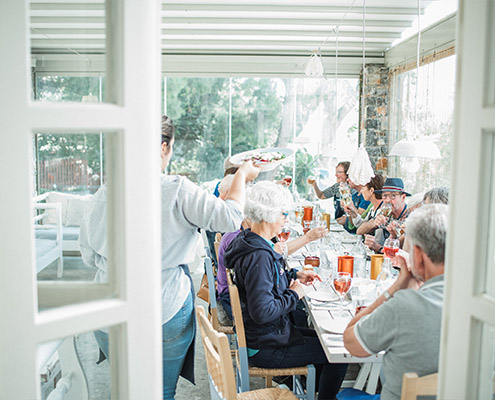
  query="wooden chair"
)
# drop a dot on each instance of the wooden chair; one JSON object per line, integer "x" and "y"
{"x": 221, "y": 371}
{"x": 228, "y": 330}
{"x": 413, "y": 386}
{"x": 218, "y": 237}
{"x": 244, "y": 371}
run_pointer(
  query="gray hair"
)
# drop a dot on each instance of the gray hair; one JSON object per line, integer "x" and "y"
{"x": 427, "y": 228}
{"x": 266, "y": 200}
{"x": 437, "y": 195}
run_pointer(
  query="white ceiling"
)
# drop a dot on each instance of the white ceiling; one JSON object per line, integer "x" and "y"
{"x": 238, "y": 27}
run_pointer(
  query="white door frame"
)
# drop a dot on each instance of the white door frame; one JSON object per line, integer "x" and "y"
{"x": 131, "y": 116}
{"x": 472, "y": 209}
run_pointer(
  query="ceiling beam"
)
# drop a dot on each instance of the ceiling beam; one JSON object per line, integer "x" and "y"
{"x": 285, "y": 21}
{"x": 306, "y": 8}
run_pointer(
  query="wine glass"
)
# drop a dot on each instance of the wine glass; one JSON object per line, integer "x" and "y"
{"x": 342, "y": 284}
{"x": 386, "y": 210}
{"x": 344, "y": 189}
{"x": 390, "y": 248}
{"x": 347, "y": 201}
{"x": 284, "y": 233}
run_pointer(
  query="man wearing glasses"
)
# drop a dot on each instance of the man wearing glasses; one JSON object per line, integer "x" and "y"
{"x": 393, "y": 193}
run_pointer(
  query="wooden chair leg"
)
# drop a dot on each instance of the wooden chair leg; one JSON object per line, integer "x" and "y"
{"x": 268, "y": 381}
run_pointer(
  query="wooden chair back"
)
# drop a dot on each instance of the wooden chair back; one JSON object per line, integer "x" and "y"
{"x": 235, "y": 303}
{"x": 414, "y": 386}
{"x": 218, "y": 359}
{"x": 218, "y": 237}
{"x": 243, "y": 370}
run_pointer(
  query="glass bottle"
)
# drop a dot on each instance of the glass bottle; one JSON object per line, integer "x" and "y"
{"x": 359, "y": 254}
{"x": 386, "y": 278}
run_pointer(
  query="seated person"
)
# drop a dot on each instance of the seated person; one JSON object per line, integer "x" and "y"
{"x": 364, "y": 222}
{"x": 405, "y": 321}
{"x": 223, "y": 297}
{"x": 220, "y": 191}
{"x": 359, "y": 203}
{"x": 333, "y": 191}
{"x": 268, "y": 293}
{"x": 392, "y": 193}
{"x": 436, "y": 195}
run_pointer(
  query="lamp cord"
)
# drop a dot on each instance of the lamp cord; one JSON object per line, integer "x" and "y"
{"x": 415, "y": 137}
{"x": 364, "y": 71}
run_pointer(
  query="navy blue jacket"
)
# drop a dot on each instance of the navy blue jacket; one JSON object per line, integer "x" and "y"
{"x": 265, "y": 297}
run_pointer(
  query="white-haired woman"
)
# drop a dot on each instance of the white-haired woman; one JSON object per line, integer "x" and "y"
{"x": 268, "y": 293}
{"x": 185, "y": 208}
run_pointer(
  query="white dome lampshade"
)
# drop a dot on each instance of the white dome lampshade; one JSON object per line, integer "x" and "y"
{"x": 416, "y": 149}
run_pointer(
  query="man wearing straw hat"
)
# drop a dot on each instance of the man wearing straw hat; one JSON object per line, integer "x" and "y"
{"x": 392, "y": 193}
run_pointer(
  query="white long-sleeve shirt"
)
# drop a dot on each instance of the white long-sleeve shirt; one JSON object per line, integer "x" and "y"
{"x": 185, "y": 208}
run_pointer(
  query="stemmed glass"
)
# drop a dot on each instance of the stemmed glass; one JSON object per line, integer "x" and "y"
{"x": 283, "y": 236}
{"x": 342, "y": 284}
{"x": 390, "y": 248}
{"x": 284, "y": 233}
{"x": 386, "y": 210}
{"x": 347, "y": 201}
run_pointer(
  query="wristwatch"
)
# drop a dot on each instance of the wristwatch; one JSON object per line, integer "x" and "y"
{"x": 387, "y": 295}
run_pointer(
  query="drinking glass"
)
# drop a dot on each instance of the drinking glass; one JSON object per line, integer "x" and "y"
{"x": 284, "y": 233}
{"x": 390, "y": 248}
{"x": 386, "y": 210}
{"x": 311, "y": 180}
{"x": 299, "y": 214}
{"x": 342, "y": 284}
{"x": 344, "y": 189}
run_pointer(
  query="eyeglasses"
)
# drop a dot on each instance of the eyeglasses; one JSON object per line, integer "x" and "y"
{"x": 340, "y": 172}
{"x": 391, "y": 196}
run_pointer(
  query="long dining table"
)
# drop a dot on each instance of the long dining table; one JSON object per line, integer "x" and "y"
{"x": 329, "y": 321}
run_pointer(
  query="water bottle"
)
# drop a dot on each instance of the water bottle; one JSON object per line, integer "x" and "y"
{"x": 385, "y": 279}
{"x": 359, "y": 254}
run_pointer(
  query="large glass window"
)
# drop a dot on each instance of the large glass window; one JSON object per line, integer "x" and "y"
{"x": 218, "y": 117}
{"x": 433, "y": 120}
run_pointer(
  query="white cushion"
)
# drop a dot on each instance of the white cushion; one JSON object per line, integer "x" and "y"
{"x": 75, "y": 210}
{"x": 63, "y": 200}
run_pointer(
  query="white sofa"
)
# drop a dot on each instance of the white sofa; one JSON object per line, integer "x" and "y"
{"x": 49, "y": 249}
{"x": 72, "y": 211}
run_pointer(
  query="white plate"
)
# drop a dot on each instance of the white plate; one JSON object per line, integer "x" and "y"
{"x": 239, "y": 158}
{"x": 336, "y": 325}
{"x": 321, "y": 295}
{"x": 336, "y": 228}
{"x": 349, "y": 240}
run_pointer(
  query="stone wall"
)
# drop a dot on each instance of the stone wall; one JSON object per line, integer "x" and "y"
{"x": 376, "y": 106}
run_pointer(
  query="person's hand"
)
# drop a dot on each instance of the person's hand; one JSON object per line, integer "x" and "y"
{"x": 249, "y": 170}
{"x": 307, "y": 277}
{"x": 380, "y": 220}
{"x": 282, "y": 182}
{"x": 316, "y": 233}
{"x": 351, "y": 210}
{"x": 370, "y": 241}
{"x": 297, "y": 287}
{"x": 405, "y": 280}
{"x": 311, "y": 180}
